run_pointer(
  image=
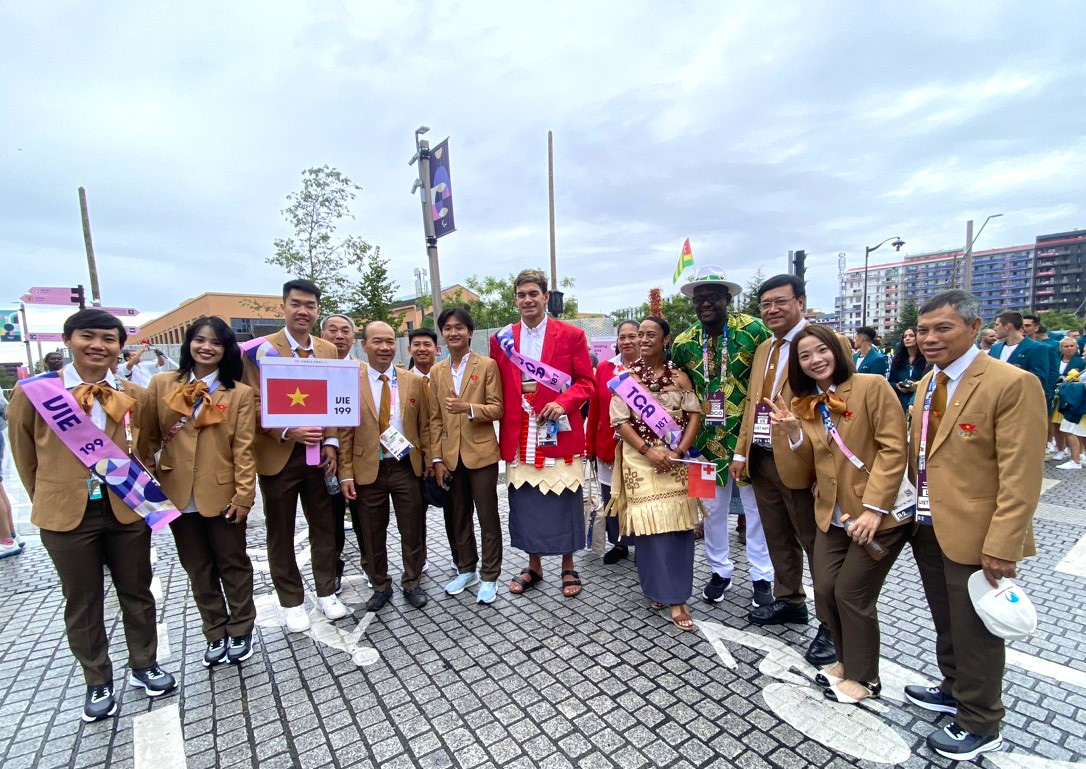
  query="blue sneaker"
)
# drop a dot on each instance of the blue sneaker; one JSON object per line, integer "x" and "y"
{"x": 462, "y": 583}
{"x": 488, "y": 591}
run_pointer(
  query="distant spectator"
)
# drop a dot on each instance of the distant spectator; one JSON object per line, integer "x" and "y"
{"x": 9, "y": 544}
{"x": 138, "y": 371}
{"x": 868, "y": 359}
{"x": 906, "y": 368}
{"x": 1016, "y": 348}
{"x": 1071, "y": 366}
{"x": 986, "y": 339}
{"x": 1030, "y": 325}
{"x": 54, "y": 361}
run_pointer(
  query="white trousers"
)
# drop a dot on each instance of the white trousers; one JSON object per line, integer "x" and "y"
{"x": 717, "y": 547}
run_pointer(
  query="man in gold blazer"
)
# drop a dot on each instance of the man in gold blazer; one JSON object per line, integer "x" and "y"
{"x": 986, "y": 427}
{"x": 782, "y": 488}
{"x": 465, "y": 401}
{"x": 86, "y": 527}
{"x": 374, "y": 469}
{"x": 284, "y": 475}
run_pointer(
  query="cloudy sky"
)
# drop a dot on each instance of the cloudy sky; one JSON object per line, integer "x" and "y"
{"x": 751, "y": 128}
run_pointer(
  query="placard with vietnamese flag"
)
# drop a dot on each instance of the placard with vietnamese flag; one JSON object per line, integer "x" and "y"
{"x": 309, "y": 392}
{"x": 701, "y": 480}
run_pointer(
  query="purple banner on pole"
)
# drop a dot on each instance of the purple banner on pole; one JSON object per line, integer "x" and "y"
{"x": 441, "y": 203}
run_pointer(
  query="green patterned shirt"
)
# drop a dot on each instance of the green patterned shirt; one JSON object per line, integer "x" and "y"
{"x": 717, "y": 441}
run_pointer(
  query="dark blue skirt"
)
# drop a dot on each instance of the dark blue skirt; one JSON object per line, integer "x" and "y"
{"x": 665, "y": 565}
{"x": 546, "y": 523}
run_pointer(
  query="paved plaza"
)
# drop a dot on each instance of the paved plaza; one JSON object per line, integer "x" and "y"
{"x": 531, "y": 681}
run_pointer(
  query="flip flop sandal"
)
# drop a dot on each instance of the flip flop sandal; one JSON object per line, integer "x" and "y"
{"x": 657, "y": 606}
{"x": 534, "y": 578}
{"x": 574, "y": 582}
{"x": 675, "y": 621}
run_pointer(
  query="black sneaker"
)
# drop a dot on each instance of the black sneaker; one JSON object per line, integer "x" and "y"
{"x": 778, "y": 613}
{"x": 715, "y": 588}
{"x": 931, "y": 698}
{"x": 241, "y": 648}
{"x": 955, "y": 743}
{"x": 763, "y": 593}
{"x": 416, "y": 597}
{"x": 616, "y": 554}
{"x": 153, "y": 680}
{"x": 216, "y": 653}
{"x": 99, "y": 703}
{"x": 378, "y": 600}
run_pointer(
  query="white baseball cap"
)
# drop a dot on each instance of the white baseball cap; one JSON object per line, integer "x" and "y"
{"x": 1004, "y": 609}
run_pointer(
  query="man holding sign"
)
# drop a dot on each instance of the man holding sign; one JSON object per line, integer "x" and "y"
{"x": 285, "y": 464}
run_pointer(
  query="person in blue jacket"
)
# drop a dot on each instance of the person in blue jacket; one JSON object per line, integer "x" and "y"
{"x": 906, "y": 368}
{"x": 1016, "y": 348}
{"x": 867, "y": 358}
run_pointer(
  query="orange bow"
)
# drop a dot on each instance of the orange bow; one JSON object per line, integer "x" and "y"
{"x": 807, "y": 406}
{"x": 183, "y": 401}
{"x": 114, "y": 402}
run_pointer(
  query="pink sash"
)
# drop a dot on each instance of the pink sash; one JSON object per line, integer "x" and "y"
{"x": 647, "y": 408}
{"x": 120, "y": 472}
{"x": 548, "y": 376}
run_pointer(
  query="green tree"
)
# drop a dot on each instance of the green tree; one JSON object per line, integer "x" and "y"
{"x": 1060, "y": 320}
{"x": 749, "y": 304}
{"x": 315, "y": 251}
{"x": 906, "y": 319}
{"x": 372, "y": 296}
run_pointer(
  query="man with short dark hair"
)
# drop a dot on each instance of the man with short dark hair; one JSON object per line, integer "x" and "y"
{"x": 54, "y": 361}
{"x": 786, "y": 510}
{"x": 138, "y": 372}
{"x": 1019, "y": 350}
{"x": 1031, "y": 324}
{"x": 284, "y": 475}
{"x": 868, "y": 359}
{"x": 986, "y": 339}
{"x": 978, "y": 431}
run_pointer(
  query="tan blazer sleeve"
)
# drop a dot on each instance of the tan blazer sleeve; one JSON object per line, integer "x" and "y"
{"x": 345, "y": 453}
{"x": 888, "y": 428}
{"x": 21, "y": 436}
{"x": 242, "y": 446}
{"x": 149, "y": 438}
{"x": 251, "y": 376}
{"x": 493, "y": 410}
{"x": 436, "y": 423}
{"x": 1020, "y": 434}
{"x": 798, "y": 462}
{"x": 424, "y": 429}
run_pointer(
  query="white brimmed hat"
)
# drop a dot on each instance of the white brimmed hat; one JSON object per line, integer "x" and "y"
{"x": 711, "y": 275}
{"x": 1005, "y": 609}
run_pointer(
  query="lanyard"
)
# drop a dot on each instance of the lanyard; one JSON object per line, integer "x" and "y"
{"x": 832, "y": 430}
{"x": 922, "y": 456}
{"x": 723, "y": 356}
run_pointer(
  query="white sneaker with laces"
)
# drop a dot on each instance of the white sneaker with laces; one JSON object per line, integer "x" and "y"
{"x": 297, "y": 619}
{"x": 332, "y": 607}
{"x": 1069, "y": 465}
{"x": 1061, "y": 456}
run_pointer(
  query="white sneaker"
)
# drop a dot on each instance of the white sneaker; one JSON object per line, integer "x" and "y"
{"x": 297, "y": 619}
{"x": 1051, "y": 445}
{"x": 1061, "y": 456}
{"x": 332, "y": 607}
{"x": 425, "y": 566}
{"x": 1069, "y": 465}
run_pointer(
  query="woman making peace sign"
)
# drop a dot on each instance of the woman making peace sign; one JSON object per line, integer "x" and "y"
{"x": 849, "y": 430}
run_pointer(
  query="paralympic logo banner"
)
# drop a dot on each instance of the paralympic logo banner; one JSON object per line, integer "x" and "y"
{"x": 309, "y": 392}
{"x": 441, "y": 203}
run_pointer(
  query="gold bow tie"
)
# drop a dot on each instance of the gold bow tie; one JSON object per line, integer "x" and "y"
{"x": 114, "y": 402}
{"x": 807, "y": 406}
{"x": 183, "y": 401}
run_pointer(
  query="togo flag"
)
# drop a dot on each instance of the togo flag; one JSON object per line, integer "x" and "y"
{"x": 686, "y": 261}
{"x": 309, "y": 392}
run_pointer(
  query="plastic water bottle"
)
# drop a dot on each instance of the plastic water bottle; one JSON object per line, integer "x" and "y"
{"x": 876, "y": 550}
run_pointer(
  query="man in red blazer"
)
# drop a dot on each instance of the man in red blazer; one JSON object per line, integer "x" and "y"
{"x": 546, "y": 508}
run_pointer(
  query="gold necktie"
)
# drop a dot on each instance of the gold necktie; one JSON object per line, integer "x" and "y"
{"x": 302, "y": 353}
{"x": 938, "y": 404}
{"x": 183, "y": 401}
{"x": 385, "y": 415}
{"x": 771, "y": 372}
{"x": 115, "y": 403}
{"x": 806, "y": 407}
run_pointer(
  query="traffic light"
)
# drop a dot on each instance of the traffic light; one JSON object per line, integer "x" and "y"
{"x": 799, "y": 260}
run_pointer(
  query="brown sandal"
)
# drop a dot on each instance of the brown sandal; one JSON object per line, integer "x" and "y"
{"x": 574, "y": 581}
{"x": 534, "y": 578}
{"x": 679, "y": 622}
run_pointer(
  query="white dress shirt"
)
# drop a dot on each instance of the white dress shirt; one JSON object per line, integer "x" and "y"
{"x": 376, "y": 385}
{"x": 72, "y": 379}
{"x": 531, "y": 339}
{"x": 295, "y": 345}
{"x": 458, "y": 372}
{"x": 955, "y": 371}
{"x": 141, "y": 372}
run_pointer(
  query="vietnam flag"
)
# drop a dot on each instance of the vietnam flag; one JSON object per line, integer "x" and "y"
{"x": 701, "y": 480}
{"x": 297, "y": 396}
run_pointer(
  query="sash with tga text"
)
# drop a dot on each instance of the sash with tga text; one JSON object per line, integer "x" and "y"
{"x": 538, "y": 371}
{"x": 647, "y": 408}
{"x": 118, "y": 470}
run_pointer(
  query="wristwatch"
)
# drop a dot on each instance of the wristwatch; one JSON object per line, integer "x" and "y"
{"x": 644, "y": 448}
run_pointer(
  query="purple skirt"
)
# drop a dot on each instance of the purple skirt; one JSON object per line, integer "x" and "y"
{"x": 546, "y": 523}
{"x": 665, "y": 565}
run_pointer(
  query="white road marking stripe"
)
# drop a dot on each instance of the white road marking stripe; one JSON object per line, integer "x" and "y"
{"x": 156, "y": 588}
{"x": 158, "y": 740}
{"x": 1075, "y": 560}
{"x": 154, "y": 555}
{"x": 1043, "y": 667}
{"x": 163, "y": 642}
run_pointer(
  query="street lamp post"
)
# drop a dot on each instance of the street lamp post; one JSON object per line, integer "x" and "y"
{"x": 897, "y": 244}
{"x": 422, "y": 155}
{"x": 967, "y": 257}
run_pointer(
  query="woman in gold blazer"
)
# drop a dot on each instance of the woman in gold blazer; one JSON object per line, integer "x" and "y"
{"x": 859, "y": 535}
{"x": 199, "y": 427}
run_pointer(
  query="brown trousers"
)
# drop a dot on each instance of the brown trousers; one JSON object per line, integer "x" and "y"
{"x": 212, "y": 552}
{"x": 970, "y": 658}
{"x": 847, "y": 583}
{"x": 340, "y": 506}
{"x": 477, "y": 490}
{"x": 789, "y": 525}
{"x": 281, "y": 493}
{"x": 396, "y": 480}
{"x": 79, "y": 555}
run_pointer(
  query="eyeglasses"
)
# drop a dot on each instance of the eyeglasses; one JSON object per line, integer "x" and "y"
{"x": 769, "y": 304}
{"x": 712, "y": 298}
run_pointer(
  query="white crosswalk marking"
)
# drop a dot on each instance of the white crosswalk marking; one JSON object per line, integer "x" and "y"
{"x": 1075, "y": 561}
{"x": 158, "y": 740}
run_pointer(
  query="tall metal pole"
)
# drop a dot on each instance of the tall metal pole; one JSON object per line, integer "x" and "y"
{"x": 428, "y": 225}
{"x": 967, "y": 261}
{"x": 26, "y": 338}
{"x": 96, "y": 295}
{"x": 863, "y": 310}
{"x": 550, "y": 190}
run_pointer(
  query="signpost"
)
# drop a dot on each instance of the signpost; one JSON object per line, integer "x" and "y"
{"x": 122, "y": 312}
{"x": 44, "y": 336}
{"x": 54, "y": 295}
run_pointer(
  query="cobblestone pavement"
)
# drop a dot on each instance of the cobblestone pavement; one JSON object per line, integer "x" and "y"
{"x": 533, "y": 681}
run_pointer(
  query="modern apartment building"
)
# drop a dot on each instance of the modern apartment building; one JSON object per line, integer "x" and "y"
{"x": 1059, "y": 277}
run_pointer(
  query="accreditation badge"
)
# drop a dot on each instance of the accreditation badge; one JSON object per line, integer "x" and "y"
{"x": 94, "y": 488}
{"x": 713, "y": 407}
{"x": 923, "y": 501}
{"x": 395, "y": 444}
{"x": 763, "y": 428}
